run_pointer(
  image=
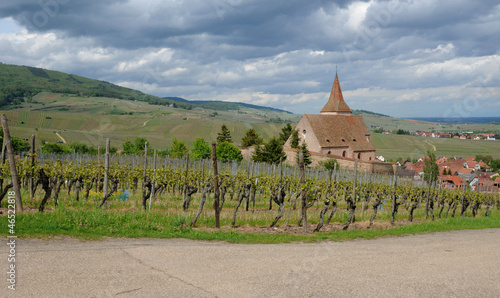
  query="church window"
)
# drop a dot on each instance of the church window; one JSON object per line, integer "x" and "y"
{"x": 359, "y": 155}
{"x": 343, "y": 154}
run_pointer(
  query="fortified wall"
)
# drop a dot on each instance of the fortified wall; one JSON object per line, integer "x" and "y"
{"x": 377, "y": 167}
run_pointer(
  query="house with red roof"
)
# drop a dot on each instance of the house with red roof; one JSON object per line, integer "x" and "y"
{"x": 451, "y": 182}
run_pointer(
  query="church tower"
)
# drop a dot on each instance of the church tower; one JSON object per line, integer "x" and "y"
{"x": 336, "y": 104}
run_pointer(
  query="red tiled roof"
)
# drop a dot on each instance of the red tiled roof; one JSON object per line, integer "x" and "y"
{"x": 336, "y": 102}
{"x": 340, "y": 131}
{"x": 483, "y": 176}
{"x": 483, "y": 165}
{"x": 466, "y": 171}
{"x": 457, "y": 180}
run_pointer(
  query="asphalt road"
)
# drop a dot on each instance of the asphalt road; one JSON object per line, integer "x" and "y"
{"x": 456, "y": 264}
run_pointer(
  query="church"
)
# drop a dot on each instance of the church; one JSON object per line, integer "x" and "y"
{"x": 336, "y": 132}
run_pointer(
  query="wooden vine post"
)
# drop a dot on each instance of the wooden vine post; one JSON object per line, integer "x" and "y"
{"x": 216, "y": 186}
{"x": 98, "y": 168}
{"x": 12, "y": 163}
{"x": 303, "y": 192}
{"x": 152, "y": 195}
{"x": 145, "y": 173}
{"x": 394, "y": 197}
{"x": 106, "y": 171}
{"x": 32, "y": 166}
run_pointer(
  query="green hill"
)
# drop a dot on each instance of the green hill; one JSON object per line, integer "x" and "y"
{"x": 223, "y": 105}
{"x": 20, "y": 83}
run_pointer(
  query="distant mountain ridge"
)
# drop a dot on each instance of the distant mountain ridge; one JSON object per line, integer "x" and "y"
{"x": 21, "y": 83}
{"x": 223, "y": 105}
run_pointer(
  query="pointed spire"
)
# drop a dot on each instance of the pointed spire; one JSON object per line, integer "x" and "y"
{"x": 336, "y": 103}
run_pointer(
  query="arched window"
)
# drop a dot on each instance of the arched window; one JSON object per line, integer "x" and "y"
{"x": 359, "y": 155}
{"x": 343, "y": 154}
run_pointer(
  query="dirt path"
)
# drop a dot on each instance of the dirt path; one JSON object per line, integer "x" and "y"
{"x": 146, "y": 122}
{"x": 60, "y": 137}
{"x": 433, "y": 147}
{"x": 456, "y": 264}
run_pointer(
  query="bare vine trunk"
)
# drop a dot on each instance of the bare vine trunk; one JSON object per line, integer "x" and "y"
{"x": 47, "y": 186}
{"x": 279, "y": 199}
{"x": 114, "y": 187}
{"x": 376, "y": 204}
{"x": 187, "y": 196}
{"x": 243, "y": 194}
{"x": 204, "y": 194}
{"x": 146, "y": 191}
{"x": 322, "y": 216}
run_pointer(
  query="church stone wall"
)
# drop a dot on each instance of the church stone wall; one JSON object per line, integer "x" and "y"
{"x": 345, "y": 163}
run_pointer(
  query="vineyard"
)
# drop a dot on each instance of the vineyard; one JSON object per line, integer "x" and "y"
{"x": 248, "y": 194}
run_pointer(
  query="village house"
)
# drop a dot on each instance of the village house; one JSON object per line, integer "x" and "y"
{"x": 451, "y": 182}
{"x": 336, "y": 131}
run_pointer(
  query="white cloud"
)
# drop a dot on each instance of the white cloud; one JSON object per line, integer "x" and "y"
{"x": 357, "y": 13}
{"x": 415, "y": 96}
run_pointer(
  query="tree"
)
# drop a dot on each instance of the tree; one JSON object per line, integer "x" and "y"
{"x": 18, "y": 145}
{"x": 251, "y": 138}
{"x": 79, "y": 148}
{"x": 306, "y": 154}
{"x": 272, "y": 152}
{"x": 495, "y": 164}
{"x": 224, "y": 135}
{"x": 128, "y": 148}
{"x": 228, "y": 152}
{"x": 285, "y": 133}
{"x": 294, "y": 142}
{"x": 53, "y": 148}
{"x": 431, "y": 169}
{"x": 178, "y": 149}
{"x": 136, "y": 147}
{"x": 140, "y": 144}
{"x": 400, "y": 132}
{"x": 329, "y": 164}
{"x": 201, "y": 149}
{"x": 484, "y": 158}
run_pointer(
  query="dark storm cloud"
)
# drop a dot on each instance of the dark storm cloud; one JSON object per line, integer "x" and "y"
{"x": 175, "y": 24}
{"x": 283, "y": 53}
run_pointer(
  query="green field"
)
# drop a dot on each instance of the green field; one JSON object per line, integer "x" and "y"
{"x": 390, "y": 124}
{"x": 93, "y": 119}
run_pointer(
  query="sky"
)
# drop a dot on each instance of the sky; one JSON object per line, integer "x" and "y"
{"x": 409, "y": 58}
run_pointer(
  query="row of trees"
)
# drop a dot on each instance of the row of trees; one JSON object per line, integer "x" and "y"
{"x": 269, "y": 152}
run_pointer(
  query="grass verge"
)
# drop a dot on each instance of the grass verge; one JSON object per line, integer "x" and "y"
{"x": 95, "y": 224}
